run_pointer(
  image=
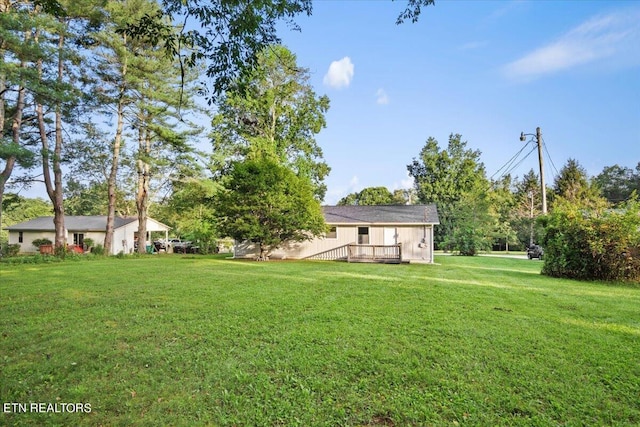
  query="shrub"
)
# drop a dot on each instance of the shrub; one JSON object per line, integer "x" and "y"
{"x": 594, "y": 244}
{"x": 39, "y": 242}
{"x": 88, "y": 242}
{"x": 97, "y": 250}
{"x": 10, "y": 250}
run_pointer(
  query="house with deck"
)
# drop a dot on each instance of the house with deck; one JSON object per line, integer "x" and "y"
{"x": 78, "y": 228}
{"x": 394, "y": 234}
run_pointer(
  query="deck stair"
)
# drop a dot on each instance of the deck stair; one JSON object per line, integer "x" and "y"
{"x": 341, "y": 253}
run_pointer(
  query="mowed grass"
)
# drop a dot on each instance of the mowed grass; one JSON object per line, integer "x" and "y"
{"x": 184, "y": 341}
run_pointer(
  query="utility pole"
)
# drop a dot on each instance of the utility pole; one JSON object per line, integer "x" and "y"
{"x": 543, "y": 188}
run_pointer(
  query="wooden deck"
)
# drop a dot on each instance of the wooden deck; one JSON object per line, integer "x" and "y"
{"x": 391, "y": 254}
{"x": 352, "y": 252}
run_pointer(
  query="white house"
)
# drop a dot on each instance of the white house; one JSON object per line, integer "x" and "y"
{"x": 78, "y": 228}
{"x": 402, "y": 233}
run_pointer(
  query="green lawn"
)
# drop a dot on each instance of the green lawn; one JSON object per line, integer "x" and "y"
{"x": 183, "y": 341}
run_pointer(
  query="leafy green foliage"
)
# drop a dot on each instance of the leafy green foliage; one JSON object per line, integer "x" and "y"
{"x": 229, "y": 34}
{"x": 369, "y": 196}
{"x": 501, "y": 205}
{"x": 527, "y": 207}
{"x": 617, "y": 183}
{"x": 16, "y": 208}
{"x": 413, "y": 10}
{"x": 572, "y": 184}
{"x": 10, "y": 250}
{"x": 25, "y": 157}
{"x": 444, "y": 177}
{"x": 98, "y": 250}
{"x": 39, "y": 242}
{"x": 190, "y": 213}
{"x": 472, "y": 225}
{"x": 266, "y": 203}
{"x": 273, "y": 110}
{"x": 592, "y": 244}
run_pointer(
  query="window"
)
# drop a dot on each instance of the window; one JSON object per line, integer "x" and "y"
{"x": 78, "y": 239}
{"x": 20, "y": 237}
{"x": 333, "y": 233}
{"x": 363, "y": 235}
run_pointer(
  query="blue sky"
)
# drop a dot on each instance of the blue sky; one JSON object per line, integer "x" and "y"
{"x": 487, "y": 70}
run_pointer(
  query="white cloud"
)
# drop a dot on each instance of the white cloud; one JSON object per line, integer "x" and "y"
{"x": 381, "y": 97}
{"x": 340, "y": 73}
{"x": 473, "y": 45}
{"x": 334, "y": 195}
{"x": 404, "y": 184}
{"x": 613, "y": 37}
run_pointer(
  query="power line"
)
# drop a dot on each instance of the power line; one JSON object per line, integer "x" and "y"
{"x": 522, "y": 160}
{"x": 509, "y": 167}
{"x": 550, "y": 159}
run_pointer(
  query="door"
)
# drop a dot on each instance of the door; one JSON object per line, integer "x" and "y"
{"x": 390, "y": 236}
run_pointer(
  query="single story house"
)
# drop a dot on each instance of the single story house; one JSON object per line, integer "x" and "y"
{"x": 399, "y": 233}
{"x": 78, "y": 228}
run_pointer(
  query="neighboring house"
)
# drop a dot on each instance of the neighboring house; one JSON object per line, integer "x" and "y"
{"x": 402, "y": 233}
{"x": 78, "y": 228}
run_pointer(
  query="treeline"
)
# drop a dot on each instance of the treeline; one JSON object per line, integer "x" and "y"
{"x": 94, "y": 114}
{"x": 100, "y": 108}
{"x": 478, "y": 214}
{"x": 97, "y": 98}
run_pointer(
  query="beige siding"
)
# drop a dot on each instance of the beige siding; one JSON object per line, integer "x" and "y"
{"x": 417, "y": 243}
{"x": 123, "y": 237}
{"x": 28, "y": 237}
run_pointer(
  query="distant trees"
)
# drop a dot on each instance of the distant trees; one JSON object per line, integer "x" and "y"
{"x": 617, "y": 183}
{"x": 451, "y": 178}
{"x": 17, "y": 209}
{"x": 368, "y": 196}
{"x": 572, "y": 184}
{"x": 527, "y": 208}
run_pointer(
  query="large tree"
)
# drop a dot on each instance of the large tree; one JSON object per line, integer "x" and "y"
{"x": 116, "y": 58}
{"x": 267, "y": 204}
{"x": 56, "y": 110}
{"x": 18, "y": 54}
{"x": 273, "y": 110}
{"x": 444, "y": 177}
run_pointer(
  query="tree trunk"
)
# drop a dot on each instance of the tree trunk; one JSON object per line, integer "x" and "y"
{"x": 54, "y": 189}
{"x": 113, "y": 173}
{"x": 264, "y": 253}
{"x": 58, "y": 200}
{"x": 142, "y": 195}
{"x": 16, "y": 124}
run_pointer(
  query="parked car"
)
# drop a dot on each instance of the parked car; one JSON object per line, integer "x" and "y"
{"x": 160, "y": 245}
{"x": 535, "y": 251}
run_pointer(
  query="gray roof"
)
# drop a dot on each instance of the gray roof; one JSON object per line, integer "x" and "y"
{"x": 386, "y": 214}
{"x": 73, "y": 223}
